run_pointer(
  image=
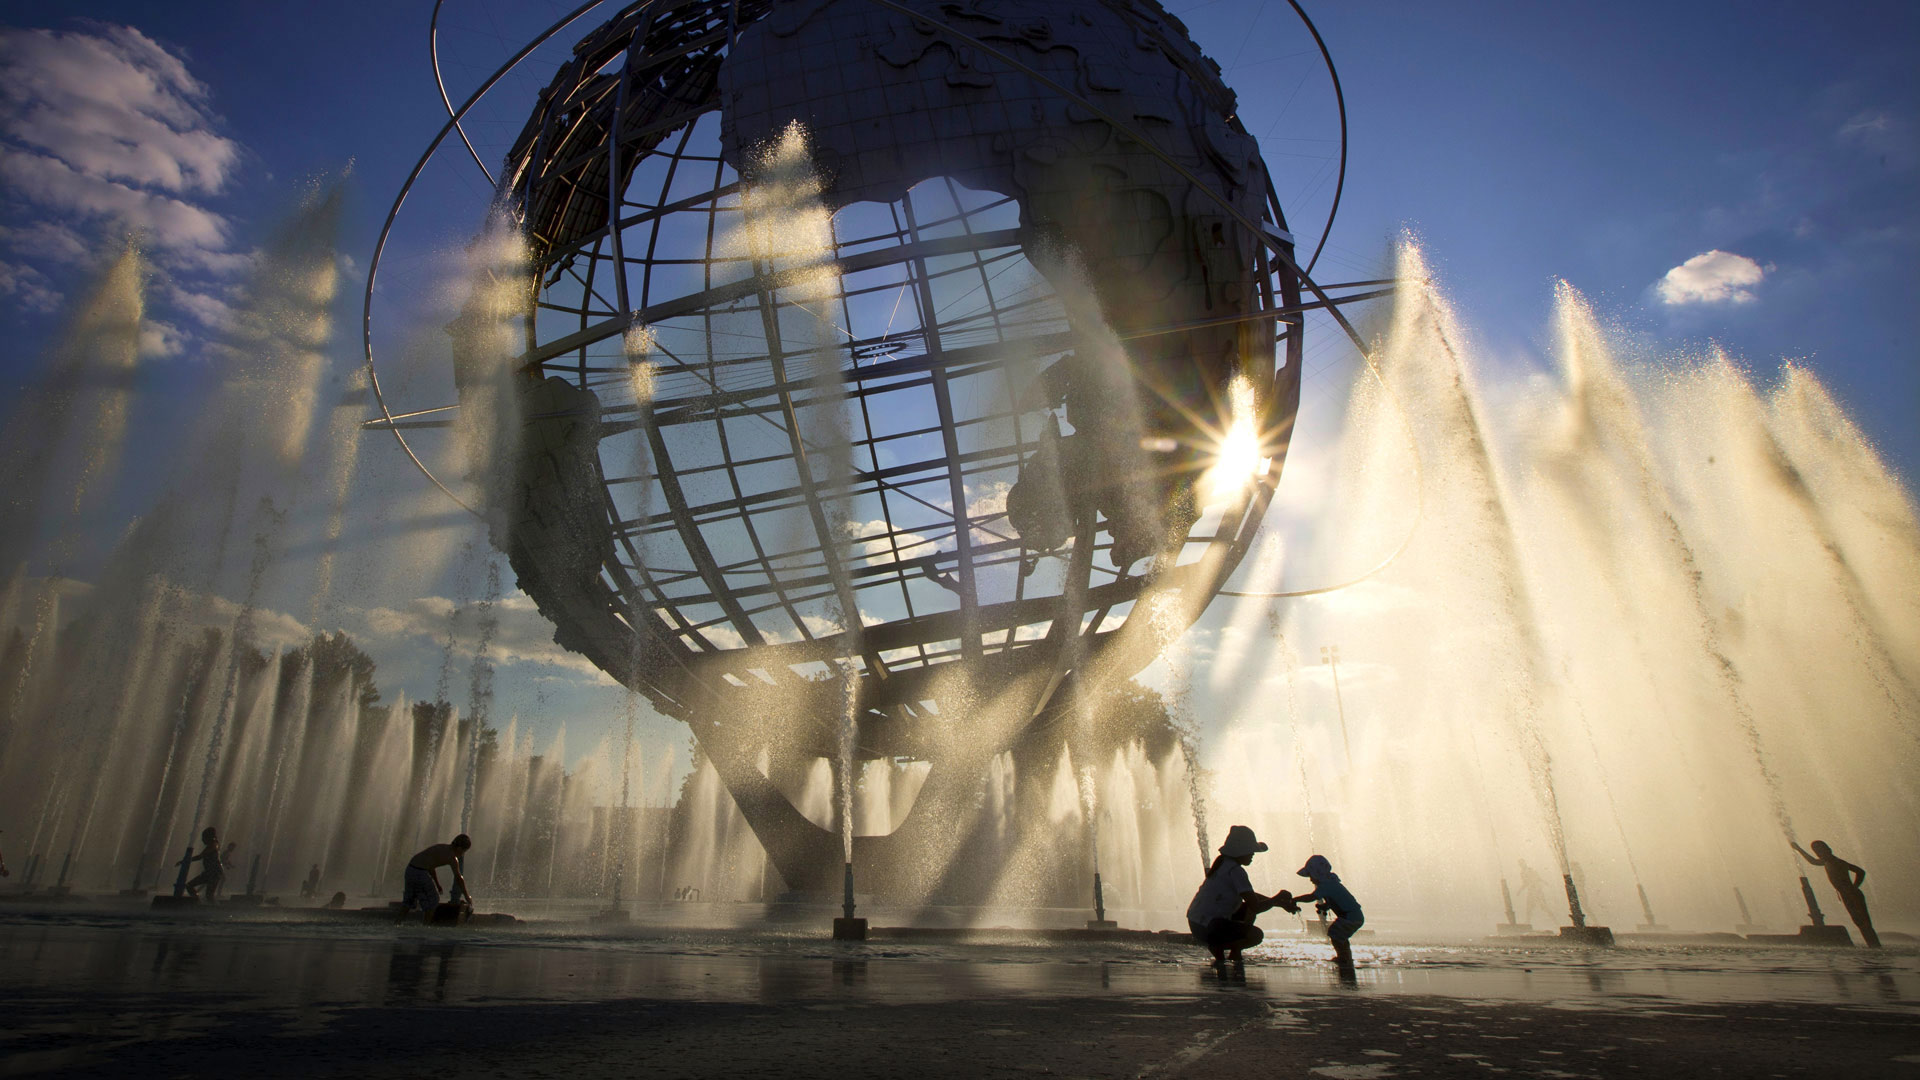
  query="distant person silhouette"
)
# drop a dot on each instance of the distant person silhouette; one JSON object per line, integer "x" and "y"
{"x": 1533, "y": 893}
{"x": 1330, "y": 894}
{"x": 213, "y": 869}
{"x": 423, "y": 874}
{"x": 310, "y": 888}
{"x": 1845, "y": 878}
{"x": 1222, "y": 912}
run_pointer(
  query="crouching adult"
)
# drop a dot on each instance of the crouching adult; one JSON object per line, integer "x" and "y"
{"x": 1223, "y": 911}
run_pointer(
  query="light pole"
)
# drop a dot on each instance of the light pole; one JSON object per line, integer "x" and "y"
{"x": 1330, "y": 656}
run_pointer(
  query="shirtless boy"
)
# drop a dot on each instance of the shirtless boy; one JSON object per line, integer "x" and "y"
{"x": 1846, "y": 879}
{"x": 423, "y": 874}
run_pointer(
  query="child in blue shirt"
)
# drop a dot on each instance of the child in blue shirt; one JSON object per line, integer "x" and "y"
{"x": 1328, "y": 891}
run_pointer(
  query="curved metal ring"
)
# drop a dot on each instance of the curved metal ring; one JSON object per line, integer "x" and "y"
{"x": 433, "y": 51}
{"x": 1339, "y": 99}
{"x": 386, "y": 230}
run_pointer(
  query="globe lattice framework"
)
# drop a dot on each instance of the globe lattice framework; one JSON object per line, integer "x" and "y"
{"x": 952, "y": 491}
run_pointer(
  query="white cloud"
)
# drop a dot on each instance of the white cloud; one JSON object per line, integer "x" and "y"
{"x": 870, "y": 542}
{"x": 1865, "y": 127}
{"x": 1879, "y": 132}
{"x": 206, "y": 309}
{"x": 161, "y": 339}
{"x": 522, "y": 634}
{"x": 724, "y": 636}
{"x": 1711, "y": 277}
{"x": 45, "y": 240}
{"x": 27, "y": 288}
{"x": 987, "y": 509}
{"x": 168, "y": 223}
{"x": 987, "y": 500}
{"x": 104, "y": 133}
{"x": 113, "y": 105}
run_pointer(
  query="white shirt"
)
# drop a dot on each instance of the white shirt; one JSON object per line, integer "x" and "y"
{"x": 1219, "y": 895}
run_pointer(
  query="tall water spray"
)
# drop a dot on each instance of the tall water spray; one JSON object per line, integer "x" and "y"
{"x": 1647, "y": 604}
{"x": 76, "y": 409}
{"x": 239, "y": 641}
{"x": 1617, "y": 601}
{"x": 480, "y": 687}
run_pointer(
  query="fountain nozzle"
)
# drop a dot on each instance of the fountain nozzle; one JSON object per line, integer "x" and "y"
{"x": 1646, "y": 908}
{"x": 848, "y": 928}
{"x": 1580, "y": 931}
{"x": 1100, "y": 920}
{"x": 1512, "y": 925}
{"x": 1818, "y": 931}
{"x": 179, "y": 897}
{"x": 1814, "y": 915}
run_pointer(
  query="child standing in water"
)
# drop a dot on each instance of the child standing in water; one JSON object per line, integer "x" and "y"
{"x": 213, "y": 869}
{"x": 1327, "y": 890}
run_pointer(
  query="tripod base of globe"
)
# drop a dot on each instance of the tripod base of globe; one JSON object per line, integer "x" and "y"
{"x": 947, "y": 845}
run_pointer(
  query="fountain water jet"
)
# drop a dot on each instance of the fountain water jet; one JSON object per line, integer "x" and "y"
{"x": 480, "y": 688}
{"x": 847, "y": 927}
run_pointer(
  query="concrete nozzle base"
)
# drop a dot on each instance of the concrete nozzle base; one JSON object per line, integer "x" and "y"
{"x": 849, "y": 929}
{"x": 1825, "y": 935}
{"x": 1828, "y": 934}
{"x": 1102, "y": 924}
{"x": 1587, "y": 935}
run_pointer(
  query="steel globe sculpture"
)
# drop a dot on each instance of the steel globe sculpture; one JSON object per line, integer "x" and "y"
{"x": 884, "y": 372}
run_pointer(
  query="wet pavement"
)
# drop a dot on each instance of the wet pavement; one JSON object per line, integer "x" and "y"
{"x": 102, "y": 991}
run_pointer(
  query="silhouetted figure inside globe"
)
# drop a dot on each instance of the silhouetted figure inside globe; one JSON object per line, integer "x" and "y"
{"x": 1845, "y": 878}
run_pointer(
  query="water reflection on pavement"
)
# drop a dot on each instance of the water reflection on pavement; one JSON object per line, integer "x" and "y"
{"x": 104, "y": 994}
{"x": 294, "y": 962}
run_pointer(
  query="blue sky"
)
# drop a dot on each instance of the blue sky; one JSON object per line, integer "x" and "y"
{"x": 1602, "y": 143}
{"x": 1607, "y": 144}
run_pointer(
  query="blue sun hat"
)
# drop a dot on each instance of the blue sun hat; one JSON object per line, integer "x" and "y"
{"x": 1316, "y": 866}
